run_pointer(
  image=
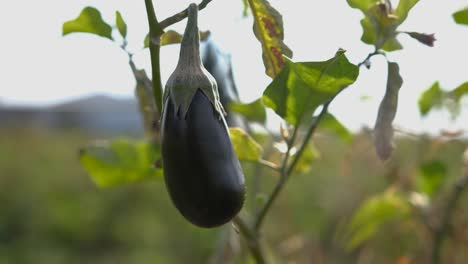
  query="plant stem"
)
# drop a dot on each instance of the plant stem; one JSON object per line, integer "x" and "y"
{"x": 154, "y": 46}
{"x": 156, "y": 30}
{"x": 442, "y": 231}
{"x": 285, "y": 170}
{"x": 181, "y": 15}
{"x": 269, "y": 164}
{"x": 369, "y": 56}
{"x": 252, "y": 240}
{"x": 309, "y": 135}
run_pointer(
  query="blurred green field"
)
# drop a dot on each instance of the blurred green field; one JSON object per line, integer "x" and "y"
{"x": 51, "y": 212}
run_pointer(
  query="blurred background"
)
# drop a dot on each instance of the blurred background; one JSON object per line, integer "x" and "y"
{"x": 58, "y": 94}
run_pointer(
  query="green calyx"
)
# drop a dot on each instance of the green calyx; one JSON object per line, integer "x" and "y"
{"x": 190, "y": 75}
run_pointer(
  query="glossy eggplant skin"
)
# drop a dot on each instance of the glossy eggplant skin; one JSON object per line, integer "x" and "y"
{"x": 201, "y": 170}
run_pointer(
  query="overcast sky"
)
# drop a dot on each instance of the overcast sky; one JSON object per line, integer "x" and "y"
{"x": 39, "y": 67}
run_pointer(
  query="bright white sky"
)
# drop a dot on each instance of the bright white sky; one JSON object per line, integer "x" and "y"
{"x": 39, "y": 67}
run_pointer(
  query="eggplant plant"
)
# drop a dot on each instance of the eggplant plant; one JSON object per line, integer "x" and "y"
{"x": 188, "y": 140}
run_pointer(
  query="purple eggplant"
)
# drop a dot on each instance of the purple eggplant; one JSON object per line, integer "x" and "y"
{"x": 201, "y": 171}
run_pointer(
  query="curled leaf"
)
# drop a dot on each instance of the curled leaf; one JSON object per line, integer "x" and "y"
{"x": 426, "y": 39}
{"x": 383, "y": 130}
{"x": 268, "y": 28}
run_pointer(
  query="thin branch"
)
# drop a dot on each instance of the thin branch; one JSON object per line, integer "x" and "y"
{"x": 366, "y": 61}
{"x": 286, "y": 171}
{"x": 251, "y": 238}
{"x": 309, "y": 135}
{"x": 154, "y": 46}
{"x": 269, "y": 164}
{"x": 442, "y": 230}
{"x": 181, "y": 15}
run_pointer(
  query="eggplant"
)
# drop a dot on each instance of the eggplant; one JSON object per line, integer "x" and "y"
{"x": 202, "y": 173}
{"x": 219, "y": 65}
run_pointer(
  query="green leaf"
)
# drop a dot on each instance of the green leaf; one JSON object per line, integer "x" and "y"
{"x": 380, "y": 22}
{"x": 430, "y": 98}
{"x": 431, "y": 177}
{"x": 461, "y": 16}
{"x": 372, "y": 215}
{"x": 245, "y": 10}
{"x": 368, "y": 33}
{"x": 392, "y": 44}
{"x": 383, "y": 130}
{"x": 89, "y": 21}
{"x": 254, "y": 111}
{"x": 120, "y": 161}
{"x": 172, "y": 37}
{"x": 362, "y": 5}
{"x": 268, "y": 28}
{"x": 459, "y": 92}
{"x": 403, "y": 8}
{"x": 330, "y": 124}
{"x": 121, "y": 25}
{"x": 303, "y": 86}
{"x": 245, "y": 146}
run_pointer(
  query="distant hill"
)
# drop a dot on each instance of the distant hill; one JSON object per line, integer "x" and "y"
{"x": 94, "y": 114}
{"x": 98, "y": 103}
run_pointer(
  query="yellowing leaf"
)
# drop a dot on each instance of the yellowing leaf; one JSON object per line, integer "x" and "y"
{"x": 268, "y": 28}
{"x": 245, "y": 146}
{"x": 173, "y": 37}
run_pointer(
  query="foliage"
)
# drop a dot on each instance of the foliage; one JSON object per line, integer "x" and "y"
{"x": 89, "y": 21}
{"x": 461, "y": 16}
{"x": 373, "y": 213}
{"x": 268, "y": 28}
{"x": 121, "y": 25}
{"x": 244, "y": 145}
{"x": 435, "y": 97}
{"x": 296, "y": 93}
{"x": 381, "y": 21}
{"x": 73, "y": 222}
{"x": 301, "y": 87}
{"x": 120, "y": 161}
{"x": 254, "y": 111}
